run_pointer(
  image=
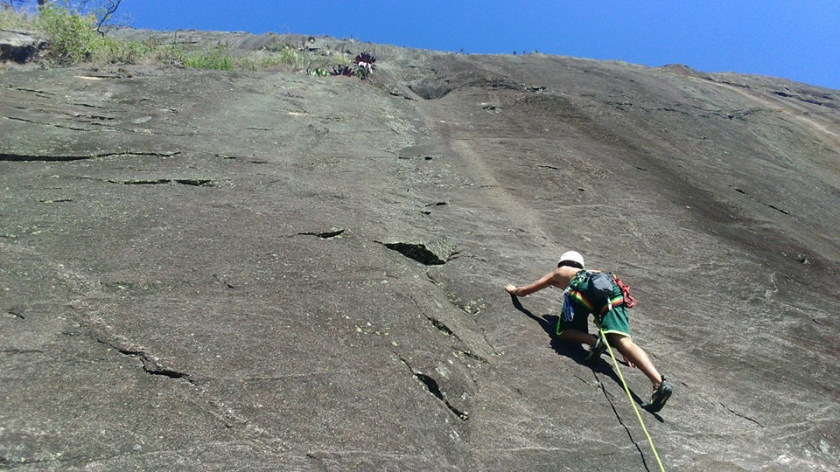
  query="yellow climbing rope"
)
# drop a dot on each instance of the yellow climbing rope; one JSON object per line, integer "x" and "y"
{"x": 626, "y": 389}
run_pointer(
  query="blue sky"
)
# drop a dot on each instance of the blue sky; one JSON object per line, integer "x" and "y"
{"x": 794, "y": 39}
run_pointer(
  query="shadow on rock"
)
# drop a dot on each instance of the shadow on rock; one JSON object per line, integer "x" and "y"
{"x": 573, "y": 350}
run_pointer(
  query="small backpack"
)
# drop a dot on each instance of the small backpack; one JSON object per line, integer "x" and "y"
{"x": 598, "y": 285}
{"x": 601, "y": 284}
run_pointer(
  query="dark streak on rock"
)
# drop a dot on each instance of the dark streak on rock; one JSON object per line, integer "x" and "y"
{"x": 779, "y": 209}
{"x": 57, "y": 200}
{"x": 223, "y": 280}
{"x": 474, "y": 356}
{"x": 37, "y": 92}
{"x": 86, "y": 105}
{"x": 740, "y": 415}
{"x": 54, "y": 125}
{"x": 21, "y": 351}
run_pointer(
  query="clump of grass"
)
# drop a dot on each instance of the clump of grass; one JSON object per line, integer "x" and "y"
{"x": 213, "y": 59}
{"x": 124, "y": 52}
{"x": 73, "y": 39}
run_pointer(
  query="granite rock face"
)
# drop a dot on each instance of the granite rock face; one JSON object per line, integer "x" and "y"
{"x": 273, "y": 271}
{"x": 19, "y": 46}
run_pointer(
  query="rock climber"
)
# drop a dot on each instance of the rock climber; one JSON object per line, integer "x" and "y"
{"x": 594, "y": 292}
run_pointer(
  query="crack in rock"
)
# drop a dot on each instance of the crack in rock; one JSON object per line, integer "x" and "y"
{"x": 740, "y": 415}
{"x": 431, "y": 386}
{"x": 18, "y": 312}
{"x": 620, "y": 421}
{"x": 433, "y": 254}
{"x": 12, "y": 157}
{"x": 54, "y": 125}
{"x": 151, "y": 364}
{"x": 473, "y": 307}
{"x": 191, "y": 182}
{"x": 57, "y": 200}
{"x": 139, "y": 182}
{"x": 224, "y": 280}
{"x": 42, "y": 93}
{"x": 473, "y": 356}
{"x": 441, "y": 327}
{"x": 196, "y": 182}
{"x": 21, "y": 351}
{"x": 332, "y": 233}
{"x": 104, "y": 334}
{"x": 779, "y": 209}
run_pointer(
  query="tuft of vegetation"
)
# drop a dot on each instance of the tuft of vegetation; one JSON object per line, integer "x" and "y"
{"x": 365, "y": 64}
{"x": 364, "y": 67}
{"x": 214, "y": 59}
{"x": 74, "y": 38}
{"x": 345, "y": 71}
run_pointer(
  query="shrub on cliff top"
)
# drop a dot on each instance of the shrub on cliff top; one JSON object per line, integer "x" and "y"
{"x": 72, "y": 36}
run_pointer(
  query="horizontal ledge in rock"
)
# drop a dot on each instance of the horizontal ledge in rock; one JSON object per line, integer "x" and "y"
{"x": 12, "y": 157}
{"x": 192, "y": 182}
{"x": 332, "y": 233}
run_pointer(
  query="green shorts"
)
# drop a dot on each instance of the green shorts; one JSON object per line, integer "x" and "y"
{"x": 613, "y": 321}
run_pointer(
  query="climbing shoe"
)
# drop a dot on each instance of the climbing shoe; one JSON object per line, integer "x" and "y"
{"x": 659, "y": 397}
{"x": 596, "y": 350}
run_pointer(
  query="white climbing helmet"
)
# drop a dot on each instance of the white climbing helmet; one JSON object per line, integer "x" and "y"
{"x": 571, "y": 256}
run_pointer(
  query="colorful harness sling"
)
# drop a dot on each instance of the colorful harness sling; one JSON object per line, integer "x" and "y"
{"x": 572, "y": 293}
